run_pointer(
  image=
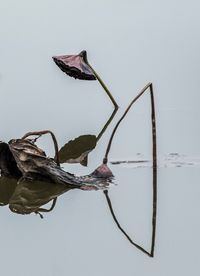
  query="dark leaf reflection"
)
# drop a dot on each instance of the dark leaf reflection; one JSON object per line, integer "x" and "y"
{"x": 41, "y": 180}
{"x": 26, "y": 197}
{"x": 7, "y": 188}
{"x": 76, "y": 150}
{"x": 29, "y": 196}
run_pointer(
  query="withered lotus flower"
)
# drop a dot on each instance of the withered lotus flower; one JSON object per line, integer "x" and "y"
{"x": 78, "y": 67}
{"x": 75, "y": 66}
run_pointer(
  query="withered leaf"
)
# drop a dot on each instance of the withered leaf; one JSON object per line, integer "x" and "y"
{"x": 75, "y": 66}
{"x": 35, "y": 165}
{"x": 8, "y": 165}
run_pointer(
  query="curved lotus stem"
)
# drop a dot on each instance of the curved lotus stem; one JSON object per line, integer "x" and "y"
{"x": 43, "y": 210}
{"x": 78, "y": 67}
{"x": 119, "y": 226}
{"x": 53, "y": 138}
{"x": 84, "y": 55}
{"x": 149, "y": 85}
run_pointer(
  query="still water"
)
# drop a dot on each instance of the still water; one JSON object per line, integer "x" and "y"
{"x": 144, "y": 43}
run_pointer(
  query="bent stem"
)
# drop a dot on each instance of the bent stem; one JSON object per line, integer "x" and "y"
{"x": 84, "y": 55}
{"x": 119, "y": 226}
{"x": 121, "y": 119}
{"x": 104, "y": 87}
{"x": 154, "y": 157}
{"x": 50, "y": 209}
{"x": 40, "y": 133}
{"x": 85, "y": 160}
{"x": 43, "y": 210}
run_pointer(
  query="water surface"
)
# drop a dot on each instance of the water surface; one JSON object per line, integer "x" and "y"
{"x": 129, "y": 44}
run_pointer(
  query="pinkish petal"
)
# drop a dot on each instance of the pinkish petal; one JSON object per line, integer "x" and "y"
{"x": 75, "y": 66}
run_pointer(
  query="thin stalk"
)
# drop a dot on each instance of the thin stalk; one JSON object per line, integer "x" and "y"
{"x": 154, "y": 153}
{"x": 83, "y": 54}
{"x": 53, "y": 138}
{"x": 104, "y": 87}
{"x": 120, "y": 120}
{"x": 119, "y": 226}
{"x": 85, "y": 160}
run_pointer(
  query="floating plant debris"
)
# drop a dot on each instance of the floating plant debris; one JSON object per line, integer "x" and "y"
{"x": 34, "y": 164}
{"x": 171, "y": 160}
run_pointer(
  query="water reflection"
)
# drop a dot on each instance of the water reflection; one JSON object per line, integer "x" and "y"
{"x": 77, "y": 150}
{"x": 37, "y": 179}
{"x": 7, "y": 188}
{"x": 26, "y": 196}
{"x": 171, "y": 160}
{"x": 29, "y": 179}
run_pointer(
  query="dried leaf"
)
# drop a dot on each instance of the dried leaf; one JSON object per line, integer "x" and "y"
{"x": 75, "y": 66}
{"x": 8, "y": 165}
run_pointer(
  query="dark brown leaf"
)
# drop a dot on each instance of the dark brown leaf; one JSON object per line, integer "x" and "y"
{"x": 8, "y": 165}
